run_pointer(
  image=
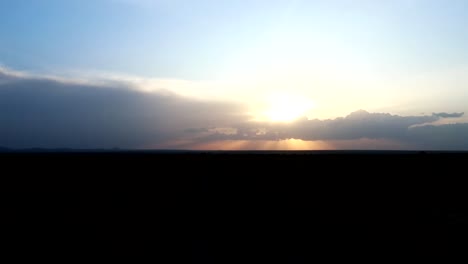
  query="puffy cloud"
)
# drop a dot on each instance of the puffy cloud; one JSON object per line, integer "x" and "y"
{"x": 409, "y": 132}
{"x": 359, "y": 124}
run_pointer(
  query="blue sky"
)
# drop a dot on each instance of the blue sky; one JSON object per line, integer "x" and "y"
{"x": 199, "y": 39}
{"x": 280, "y": 59}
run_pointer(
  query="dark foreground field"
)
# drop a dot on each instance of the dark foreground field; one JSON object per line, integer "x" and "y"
{"x": 234, "y": 207}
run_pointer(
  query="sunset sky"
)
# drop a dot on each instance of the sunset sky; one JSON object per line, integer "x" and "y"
{"x": 234, "y": 74}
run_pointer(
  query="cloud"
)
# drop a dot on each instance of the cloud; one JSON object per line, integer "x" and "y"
{"x": 47, "y": 112}
{"x": 357, "y": 125}
{"x": 54, "y": 112}
{"x": 447, "y": 115}
{"x": 446, "y": 137}
{"x": 361, "y": 126}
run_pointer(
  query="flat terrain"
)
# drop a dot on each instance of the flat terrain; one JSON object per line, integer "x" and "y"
{"x": 236, "y": 207}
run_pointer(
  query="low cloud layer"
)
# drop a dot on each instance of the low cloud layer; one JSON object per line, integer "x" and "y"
{"x": 447, "y": 115}
{"x": 37, "y": 112}
{"x": 56, "y": 113}
{"x": 409, "y": 132}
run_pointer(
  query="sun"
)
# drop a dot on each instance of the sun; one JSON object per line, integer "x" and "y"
{"x": 284, "y": 107}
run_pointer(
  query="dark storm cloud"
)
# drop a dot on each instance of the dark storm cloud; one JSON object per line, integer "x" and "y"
{"x": 447, "y": 115}
{"x": 40, "y": 112}
{"x": 446, "y": 137}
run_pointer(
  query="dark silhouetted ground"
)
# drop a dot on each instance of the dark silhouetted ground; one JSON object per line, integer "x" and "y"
{"x": 234, "y": 207}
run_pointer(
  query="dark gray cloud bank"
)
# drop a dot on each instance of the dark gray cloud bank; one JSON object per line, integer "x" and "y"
{"x": 414, "y": 132}
{"x": 41, "y": 112}
{"x": 48, "y": 113}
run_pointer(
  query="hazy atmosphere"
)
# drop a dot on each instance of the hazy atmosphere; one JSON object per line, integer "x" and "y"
{"x": 230, "y": 75}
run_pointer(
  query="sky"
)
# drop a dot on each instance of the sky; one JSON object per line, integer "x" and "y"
{"x": 244, "y": 74}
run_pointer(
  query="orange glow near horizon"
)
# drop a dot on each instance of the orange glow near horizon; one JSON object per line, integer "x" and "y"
{"x": 278, "y": 145}
{"x": 288, "y": 144}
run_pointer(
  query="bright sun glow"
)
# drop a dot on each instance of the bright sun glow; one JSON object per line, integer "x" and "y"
{"x": 286, "y": 107}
